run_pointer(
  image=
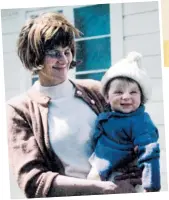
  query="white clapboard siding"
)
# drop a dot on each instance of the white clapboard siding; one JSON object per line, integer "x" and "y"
{"x": 162, "y": 137}
{"x": 147, "y": 45}
{"x": 9, "y": 42}
{"x": 139, "y": 7}
{"x": 17, "y": 79}
{"x": 163, "y": 170}
{"x": 14, "y": 85}
{"x": 12, "y": 71}
{"x": 156, "y": 111}
{"x": 138, "y": 24}
{"x": 152, "y": 65}
{"x": 14, "y": 59}
{"x": 11, "y": 20}
{"x": 163, "y": 158}
{"x": 157, "y": 93}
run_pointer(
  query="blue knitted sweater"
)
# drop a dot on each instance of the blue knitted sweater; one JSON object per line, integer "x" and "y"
{"x": 115, "y": 137}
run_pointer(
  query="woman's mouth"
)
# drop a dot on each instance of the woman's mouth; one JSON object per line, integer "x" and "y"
{"x": 58, "y": 68}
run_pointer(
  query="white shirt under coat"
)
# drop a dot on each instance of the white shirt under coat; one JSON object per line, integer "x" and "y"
{"x": 71, "y": 124}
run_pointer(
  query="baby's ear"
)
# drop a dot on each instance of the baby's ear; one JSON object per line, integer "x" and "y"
{"x": 106, "y": 98}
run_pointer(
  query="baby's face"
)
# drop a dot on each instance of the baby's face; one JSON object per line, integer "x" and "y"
{"x": 124, "y": 96}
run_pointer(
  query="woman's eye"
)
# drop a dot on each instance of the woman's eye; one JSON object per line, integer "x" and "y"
{"x": 67, "y": 53}
{"x": 53, "y": 54}
{"x": 57, "y": 54}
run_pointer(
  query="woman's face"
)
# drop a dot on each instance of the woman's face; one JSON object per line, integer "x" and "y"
{"x": 56, "y": 65}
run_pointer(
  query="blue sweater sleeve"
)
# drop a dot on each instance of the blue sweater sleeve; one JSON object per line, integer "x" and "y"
{"x": 145, "y": 137}
{"x": 98, "y": 130}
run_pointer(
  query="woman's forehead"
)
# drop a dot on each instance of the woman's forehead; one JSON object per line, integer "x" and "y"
{"x": 59, "y": 48}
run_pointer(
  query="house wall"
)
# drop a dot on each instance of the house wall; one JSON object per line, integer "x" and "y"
{"x": 141, "y": 33}
{"x": 139, "y": 26}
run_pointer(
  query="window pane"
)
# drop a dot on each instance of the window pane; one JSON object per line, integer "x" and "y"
{"x": 95, "y": 54}
{"x": 93, "y": 20}
{"x": 95, "y": 76}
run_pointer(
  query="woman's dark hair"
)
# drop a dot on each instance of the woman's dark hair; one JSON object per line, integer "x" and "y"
{"x": 44, "y": 33}
{"x": 128, "y": 80}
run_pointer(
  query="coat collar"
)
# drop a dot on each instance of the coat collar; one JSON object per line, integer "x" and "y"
{"x": 42, "y": 99}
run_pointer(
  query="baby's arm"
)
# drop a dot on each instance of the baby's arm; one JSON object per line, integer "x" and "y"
{"x": 97, "y": 163}
{"x": 146, "y": 139}
{"x": 94, "y": 174}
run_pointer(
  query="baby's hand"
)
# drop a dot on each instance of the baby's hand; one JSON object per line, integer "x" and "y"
{"x": 93, "y": 175}
{"x": 133, "y": 174}
{"x": 136, "y": 149}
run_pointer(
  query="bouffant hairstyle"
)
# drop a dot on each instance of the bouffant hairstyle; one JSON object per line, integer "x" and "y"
{"x": 44, "y": 33}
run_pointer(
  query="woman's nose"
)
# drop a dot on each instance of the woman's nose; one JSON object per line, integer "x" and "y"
{"x": 62, "y": 59}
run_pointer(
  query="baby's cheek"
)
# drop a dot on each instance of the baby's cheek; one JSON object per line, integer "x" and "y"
{"x": 115, "y": 101}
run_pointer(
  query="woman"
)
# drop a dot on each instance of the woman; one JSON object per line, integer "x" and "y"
{"x": 50, "y": 126}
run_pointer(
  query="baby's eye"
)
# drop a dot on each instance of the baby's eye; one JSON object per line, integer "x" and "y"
{"x": 133, "y": 92}
{"x": 118, "y": 92}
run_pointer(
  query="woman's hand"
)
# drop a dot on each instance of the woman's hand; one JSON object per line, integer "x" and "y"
{"x": 132, "y": 174}
{"x": 120, "y": 187}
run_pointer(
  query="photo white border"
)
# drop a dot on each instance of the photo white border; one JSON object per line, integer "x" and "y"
{"x": 7, "y": 4}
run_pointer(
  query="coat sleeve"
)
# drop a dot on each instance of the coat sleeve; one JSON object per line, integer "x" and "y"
{"x": 146, "y": 139}
{"x": 28, "y": 164}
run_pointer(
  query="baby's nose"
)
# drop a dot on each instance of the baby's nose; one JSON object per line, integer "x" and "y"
{"x": 126, "y": 95}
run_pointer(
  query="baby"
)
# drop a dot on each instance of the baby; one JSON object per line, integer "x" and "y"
{"x": 126, "y": 126}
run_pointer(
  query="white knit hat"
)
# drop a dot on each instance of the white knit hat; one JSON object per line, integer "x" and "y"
{"x": 129, "y": 67}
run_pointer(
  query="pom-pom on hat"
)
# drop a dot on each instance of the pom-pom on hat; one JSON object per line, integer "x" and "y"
{"x": 129, "y": 67}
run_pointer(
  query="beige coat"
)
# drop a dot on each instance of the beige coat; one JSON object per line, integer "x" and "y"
{"x": 34, "y": 163}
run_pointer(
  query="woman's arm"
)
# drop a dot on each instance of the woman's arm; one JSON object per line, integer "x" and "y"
{"x": 69, "y": 186}
{"x": 28, "y": 164}
{"x": 33, "y": 174}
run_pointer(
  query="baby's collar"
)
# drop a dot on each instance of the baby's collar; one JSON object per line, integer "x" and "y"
{"x": 109, "y": 114}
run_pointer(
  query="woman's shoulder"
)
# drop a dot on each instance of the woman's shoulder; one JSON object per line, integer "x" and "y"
{"x": 31, "y": 96}
{"x": 18, "y": 106}
{"x": 18, "y": 101}
{"x": 89, "y": 83}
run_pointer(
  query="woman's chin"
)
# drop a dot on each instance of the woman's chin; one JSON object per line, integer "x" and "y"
{"x": 59, "y": 80}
